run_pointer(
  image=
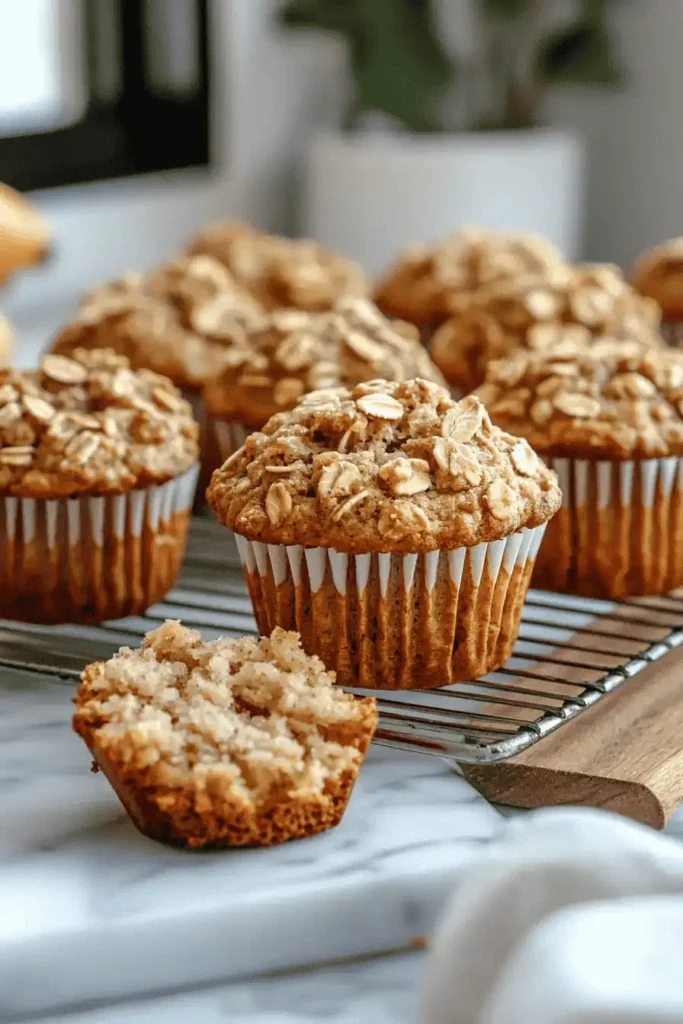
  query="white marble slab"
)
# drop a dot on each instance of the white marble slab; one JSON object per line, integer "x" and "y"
{"x": 377, "y": 991}
{"x": 90, "y": 910}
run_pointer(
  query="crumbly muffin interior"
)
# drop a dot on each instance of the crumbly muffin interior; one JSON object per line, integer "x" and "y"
{"x": 244, "y": 717}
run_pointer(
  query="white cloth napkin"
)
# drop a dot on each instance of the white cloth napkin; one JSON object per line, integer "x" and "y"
{"x": 573, "y": 917}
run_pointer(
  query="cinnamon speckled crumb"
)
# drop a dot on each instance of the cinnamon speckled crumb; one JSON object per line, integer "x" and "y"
{"x": 226, "y": 742}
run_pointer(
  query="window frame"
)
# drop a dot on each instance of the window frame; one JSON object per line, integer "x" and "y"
{"x": 139, "y": 133}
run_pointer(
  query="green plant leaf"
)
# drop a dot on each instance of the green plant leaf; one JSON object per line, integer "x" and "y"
{"x": 398, "y": 62}
{"x": 507, "y": 8}
{"x": 579, "y": 54}
{"x": 327, "y": 15}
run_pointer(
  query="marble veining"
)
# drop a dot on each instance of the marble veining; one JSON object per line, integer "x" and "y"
{"x": 90, "y": 909}
{"x": 377, "y": 991}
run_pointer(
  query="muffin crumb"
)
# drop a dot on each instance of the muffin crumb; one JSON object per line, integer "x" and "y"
{"x": 225, "y": 742}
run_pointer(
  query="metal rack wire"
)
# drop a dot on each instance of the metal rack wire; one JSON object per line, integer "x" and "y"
{"x": 569, "y": 653}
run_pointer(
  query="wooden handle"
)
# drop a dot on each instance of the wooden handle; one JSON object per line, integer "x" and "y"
{"x": 625, "y": 753}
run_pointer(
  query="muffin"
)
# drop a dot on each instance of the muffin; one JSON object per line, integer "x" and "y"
{"x": 24, "y": 235}
{"x": 294, "y": 353}
{"x": 179, "y": 320}
{"x": 393, "y": 528}
{"x": 532, "y": 312}
{"x": 227, "y": 743}
{"x": 97, "y": 476}
{"x": 608, "y": 418}
{"x": 281, "y": 273}
{"x": 658, "y": 274}
{"x": 423, "y": 280}
{"x": 176, "y": 320}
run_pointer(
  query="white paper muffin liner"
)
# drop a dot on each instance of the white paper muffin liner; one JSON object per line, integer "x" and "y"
{"x": 396, "y": 621}
{"x": 94, "y": 557}
{"x": 230, "y": 437}
{"x": 619, "y": 531}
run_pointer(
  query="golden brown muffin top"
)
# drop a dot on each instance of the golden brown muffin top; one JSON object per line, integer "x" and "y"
{"x": 423, "y": 280}
{"x": 24, "y": 235}
{"x": 385, "y": 467}
{"x": 531, "y": 312}
{"x": 293, "y": 353}
{"x": 177, "y": 320}
{"x": 281, "y": 273}
{"x": 239, "y": 720}
{"x": 658, "y": 273}
{"x": 90, "y": 425}
{"x": 609, "y": 400}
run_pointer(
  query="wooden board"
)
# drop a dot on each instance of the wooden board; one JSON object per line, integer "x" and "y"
{"x": 625, "y": 754}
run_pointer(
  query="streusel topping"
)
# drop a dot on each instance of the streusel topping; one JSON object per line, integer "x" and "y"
{"x": 294, "y": 353}
{"x": 658, "y": 273}
{"x": 385, "y": 467}
{"x": 612, "y": 399}
{"x": 282, "y": 273}
{"x": 90, "y": 425}
{"x": 426, "y": 277}
{"x": 533, "y": 312}
{"x": 177, "y": 320}
{"x": 244, "y": 720}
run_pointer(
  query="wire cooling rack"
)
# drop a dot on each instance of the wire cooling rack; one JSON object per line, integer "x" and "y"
{"x": 570, "y": 652}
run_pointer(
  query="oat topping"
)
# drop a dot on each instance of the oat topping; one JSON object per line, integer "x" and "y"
{"x": 178, "y": 320}
{"x": 90, "y": 425}
{"x": 658, "y": 273}
{"x": 613, "y": 399}
{"x": 358, "y": 480}
{"x": 230, "y": 721}
{"x": 424, "y": 279}
{"x": 591, "y": 301}
{"x": 281, "y": 272}
{"x": 294, "y": 353}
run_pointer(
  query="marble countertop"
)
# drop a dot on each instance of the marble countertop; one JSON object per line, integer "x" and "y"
{"x": 377, "y": 991}
{"x": 89, "y": 909}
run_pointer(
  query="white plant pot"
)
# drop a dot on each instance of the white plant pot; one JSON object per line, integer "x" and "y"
{"x": 370, "y": 196}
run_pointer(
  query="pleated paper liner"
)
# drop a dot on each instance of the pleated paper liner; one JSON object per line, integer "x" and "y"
{"x": 619, "y": 532}
{"x": 87, "y": 559}
{"x": 230, "y": 437}
{"x": 392, "y": 621}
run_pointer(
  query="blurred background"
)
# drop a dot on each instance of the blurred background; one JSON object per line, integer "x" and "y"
{"x": 130, "y": 123}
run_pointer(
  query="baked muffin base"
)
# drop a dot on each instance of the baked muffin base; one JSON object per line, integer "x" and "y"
{"x": 397, "y": 622}
{"x": 619, "y": 532}
{"x": 92, "y": 558}
{"x": 286, "y": 817}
